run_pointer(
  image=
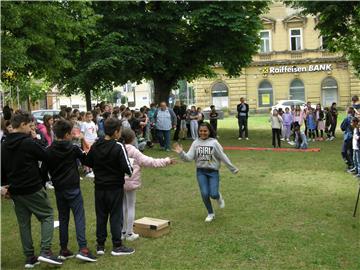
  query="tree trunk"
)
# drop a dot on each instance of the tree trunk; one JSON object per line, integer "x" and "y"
{"x": 88, "y": 99}
{"x": 162, "y": 90}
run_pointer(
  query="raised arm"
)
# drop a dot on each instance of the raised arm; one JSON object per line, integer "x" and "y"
{"x": 219, "y": 152}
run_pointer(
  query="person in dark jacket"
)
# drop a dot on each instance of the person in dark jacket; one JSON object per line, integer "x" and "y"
{"x": 110, "y": 163}
{"x": 61, "y": 163}
{"x": 20, "y": 170}
{"x": 242, "y": 116}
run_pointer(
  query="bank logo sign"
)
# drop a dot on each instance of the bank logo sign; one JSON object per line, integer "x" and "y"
{"x": 296, "y": 69}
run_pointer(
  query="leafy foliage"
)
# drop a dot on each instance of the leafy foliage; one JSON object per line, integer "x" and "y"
{"x": 339, "y": 23}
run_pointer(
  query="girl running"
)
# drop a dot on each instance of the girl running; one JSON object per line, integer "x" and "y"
{"x": 207, "y": 153}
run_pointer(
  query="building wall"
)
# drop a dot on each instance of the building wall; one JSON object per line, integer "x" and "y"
{"x": 279, "y": 21}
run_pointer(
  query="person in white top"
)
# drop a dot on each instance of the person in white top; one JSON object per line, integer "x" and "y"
{"x": 276, "y": 124}
{"x": 89, "y": 134}
{"x": 355, "y": 145}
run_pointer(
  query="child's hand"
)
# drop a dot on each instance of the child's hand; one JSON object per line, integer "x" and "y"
{"x": 177, "y": 148}
{"x": 172, "y": 161}
{"x": 5, "y": 192}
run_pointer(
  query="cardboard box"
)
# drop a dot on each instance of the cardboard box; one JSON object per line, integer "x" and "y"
{"x": 151, "y": 227}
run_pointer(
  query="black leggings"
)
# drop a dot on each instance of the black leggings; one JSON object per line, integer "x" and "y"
{"x": 276, "y": 132}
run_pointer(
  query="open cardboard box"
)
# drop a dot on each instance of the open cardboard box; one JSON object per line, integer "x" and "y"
{"x": 151, "y": 227}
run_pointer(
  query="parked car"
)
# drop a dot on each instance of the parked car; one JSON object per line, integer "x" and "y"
{"x": 39, "y": 114}
{"x": 288, "y": 103}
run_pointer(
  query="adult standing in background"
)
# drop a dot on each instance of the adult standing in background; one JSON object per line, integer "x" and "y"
{"x": 165, "y": 119}
{"x": 177, "y": 111}
{"x": 242, "y": 116}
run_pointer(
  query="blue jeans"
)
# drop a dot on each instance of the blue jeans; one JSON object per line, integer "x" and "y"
{"x": 209, "y": 186}
{"x": 163, "y": 138}
{"x": 356, "y": 160}
{"x": 66, "y": 200}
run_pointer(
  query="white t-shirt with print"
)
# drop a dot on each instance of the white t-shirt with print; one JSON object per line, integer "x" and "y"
{"x": 89, "y": 129}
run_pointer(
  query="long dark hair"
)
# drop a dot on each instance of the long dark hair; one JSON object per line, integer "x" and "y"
{"x": 212, "y": 133}
{"x": 46, "y": 119}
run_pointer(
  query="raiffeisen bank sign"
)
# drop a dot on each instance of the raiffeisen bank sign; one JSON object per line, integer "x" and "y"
{"x": 296, "y": 69}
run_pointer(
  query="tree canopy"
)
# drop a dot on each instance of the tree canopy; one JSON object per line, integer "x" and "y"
{"x": 339, "y": 24}
{"x": 92, "y": 46}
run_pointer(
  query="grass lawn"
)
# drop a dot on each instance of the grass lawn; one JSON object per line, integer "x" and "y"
{"x": 283, "y": 211}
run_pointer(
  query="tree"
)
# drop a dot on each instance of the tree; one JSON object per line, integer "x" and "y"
{"x": 339, "y": 24}
{"x": 35, "y": 38}
{"x": 171, "y": 41}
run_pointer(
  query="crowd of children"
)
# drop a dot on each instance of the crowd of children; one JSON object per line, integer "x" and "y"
{"x": 287, "y": 125}
{"x": 107, "y": 144}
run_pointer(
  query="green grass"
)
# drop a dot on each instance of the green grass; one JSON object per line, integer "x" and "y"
{"x": 283, "y": 211}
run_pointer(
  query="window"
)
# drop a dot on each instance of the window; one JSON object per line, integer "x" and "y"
{"x": 265, "y": 92}
{"x": 265, "y": 43}
{"x": 324, "y": 41}
{"x": 297, "y": 90}
{"x": 329, "y": 91}
{"x": 295, "y": 39}
{"x": 220, "y": 95}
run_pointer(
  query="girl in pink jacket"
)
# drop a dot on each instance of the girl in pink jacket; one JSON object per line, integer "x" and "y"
{"x": 132, "y": 183}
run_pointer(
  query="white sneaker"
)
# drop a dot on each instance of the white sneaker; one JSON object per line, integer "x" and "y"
{"x": 90, "y": 175}
{"x": 132, "y": 237}
{"x": 239, "y": 138}
{"x": 210, "y": 217}
{"x": 332, "y": 138}
{"x": 247, "y": 138}
{"x": 313, "y": 140}
{"x": 48, "y": 185}
{"x": 291, "y": 142}
{"x": 221, "y": 202}
{"x": 282, "y": 139}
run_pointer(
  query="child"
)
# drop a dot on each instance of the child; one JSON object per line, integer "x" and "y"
{"x": 89, "y": 133}
{"x": 334, "y": 115}
{"x": 208, "y": 154}
{"x": 310, "y": 122}
{"x": 46, "y": 128}
{"x": 6, "y": 128}
{"x": 19, "y": 169}
{"x": 346, "y": 151}
{"x": 320, "y": 124}
{"x": 300, "y": 138}
{"x": 134, "y": 182}
{"x": 355, "y": 146}
{"x": 276, "y": 124}
{"x": 194, "y": 116}
{"x": 287, "y": 121}
{"x": 183, "y": 125}
{"x": 213, "y": 118}
{"x": 110, "y": 163}
{"x": 61, "y": 163}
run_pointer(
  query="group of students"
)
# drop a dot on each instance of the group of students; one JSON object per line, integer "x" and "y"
{"x": 188, "y": 121}
{"x": 286, "y": 125}
{"x": 116, "y": 162}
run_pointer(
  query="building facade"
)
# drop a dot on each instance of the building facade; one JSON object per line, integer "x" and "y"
{"x": 292, "y": 63}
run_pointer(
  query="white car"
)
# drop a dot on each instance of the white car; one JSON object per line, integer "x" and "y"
{"x": 288, "y": 103}
{"x": 39, "y": 114}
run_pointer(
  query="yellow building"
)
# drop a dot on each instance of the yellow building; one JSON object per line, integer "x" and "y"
{"x": 292, "y": 63}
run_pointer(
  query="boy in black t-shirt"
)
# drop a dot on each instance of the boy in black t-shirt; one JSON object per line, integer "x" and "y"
{"x": 20, "y": 170}
{"x": 61, "y": 163}
{"x": 213, "y": 118}
{"x": 110, "y": 163}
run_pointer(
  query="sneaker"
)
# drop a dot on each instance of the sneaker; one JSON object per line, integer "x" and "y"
{"x": 327, "y": 139}
{"x": 31, "y": 262}
{"x": 90, "y": 175}
{"x": 48, "y": 257}
{"x": 132, "y": 236}
{"x": 210, "y": 217}
{"x": 85, "y": 255}
{"x": 247, "y": 138}
{"x": 100, "y": 250}
{"x": 239, "y": 138}
{"x": 65, "y": 254}
{"x": 122, "y": 250}
{"x": 313, "y": 140}
{"x": 291, "y": 142}
{"x": 351, "y": 170}
{"x": 282, "y": 139}
{"x": 221, "y": 202}
{"x": 49, "y": 185}
{"x": 332, "y": 138}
